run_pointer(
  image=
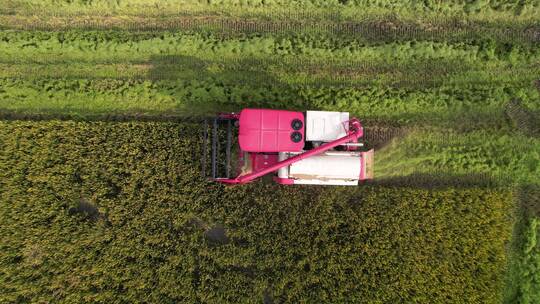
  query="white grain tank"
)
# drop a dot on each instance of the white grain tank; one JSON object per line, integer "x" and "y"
{"x": 330, "y": 168}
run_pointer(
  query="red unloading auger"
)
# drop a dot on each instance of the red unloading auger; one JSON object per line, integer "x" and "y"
{"x": 355, "y": 131}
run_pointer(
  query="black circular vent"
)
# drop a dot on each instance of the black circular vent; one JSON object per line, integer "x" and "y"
{"x": 296, "y": 137}
{"x": 297, "y": 124}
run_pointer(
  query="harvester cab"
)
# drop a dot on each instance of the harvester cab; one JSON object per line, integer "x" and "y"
{"x": 315, "y": 147}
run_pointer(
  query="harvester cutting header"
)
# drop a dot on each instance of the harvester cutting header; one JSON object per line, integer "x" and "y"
{"x": 315, "y": 147}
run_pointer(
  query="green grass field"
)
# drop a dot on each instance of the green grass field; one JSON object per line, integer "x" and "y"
{"x": 101, "y": 198}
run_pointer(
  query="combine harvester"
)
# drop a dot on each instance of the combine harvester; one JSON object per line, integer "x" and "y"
{"x": 315, "y": 147}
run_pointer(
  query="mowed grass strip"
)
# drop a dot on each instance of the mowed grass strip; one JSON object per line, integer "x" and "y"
{"x": 118, "y": 212}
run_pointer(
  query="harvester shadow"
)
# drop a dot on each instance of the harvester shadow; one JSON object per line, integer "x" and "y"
{"x": 198, "y": 87}
{"x": 220, "y": 85}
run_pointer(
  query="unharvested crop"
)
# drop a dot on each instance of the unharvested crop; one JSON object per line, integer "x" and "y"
{"x": 118, "y": 212}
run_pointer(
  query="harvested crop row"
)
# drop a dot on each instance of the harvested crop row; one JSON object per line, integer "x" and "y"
{"x": 288, "y": 71}
{"x": 375, "y": 31}
{"x": 298, "y": 60}
{"x": 117, "y": 212}
{"x": 296, "y": 9}
{"x": 509, "y": 158}
{"x": 445, "y": 105}
{"x": 108, "y": 46}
